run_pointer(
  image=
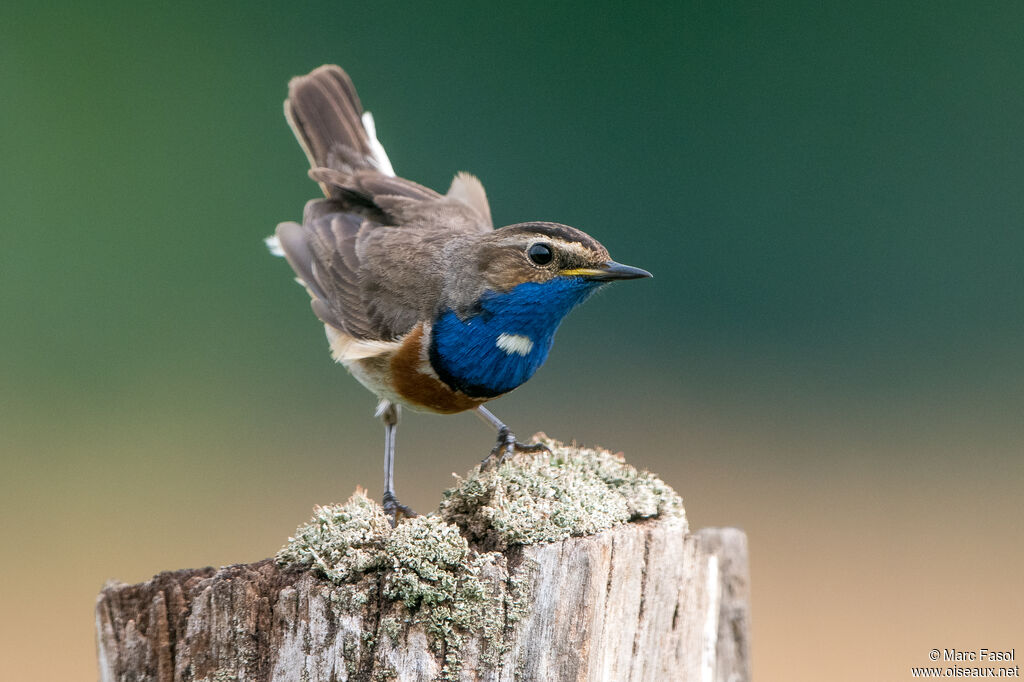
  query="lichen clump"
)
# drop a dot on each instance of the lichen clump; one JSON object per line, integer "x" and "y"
{"x": 341, "y": 541}
{"x": 546, "y": 497}
{"x": 426, "y": 556}
{"x": 447, "y": 572}
{"x": 424, "y": 563}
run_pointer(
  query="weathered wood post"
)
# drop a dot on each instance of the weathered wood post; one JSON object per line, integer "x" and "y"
{"x": 573, "y": 566}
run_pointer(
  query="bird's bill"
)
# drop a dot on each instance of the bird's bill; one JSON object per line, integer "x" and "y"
{"x": 607, "y": 272}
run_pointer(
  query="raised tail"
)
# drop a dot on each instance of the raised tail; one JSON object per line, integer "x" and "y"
{"x": 324, "y": 112}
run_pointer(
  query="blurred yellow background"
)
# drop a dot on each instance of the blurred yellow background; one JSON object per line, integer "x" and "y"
{"x": 829, "y": 357}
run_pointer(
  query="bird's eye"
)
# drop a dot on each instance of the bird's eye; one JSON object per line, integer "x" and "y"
{"x": 540, "y": 254}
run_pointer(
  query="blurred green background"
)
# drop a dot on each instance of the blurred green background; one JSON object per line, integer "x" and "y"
{"x": 830, "y": 354}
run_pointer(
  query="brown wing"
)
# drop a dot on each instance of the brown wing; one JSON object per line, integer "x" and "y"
{"x": 322, "y": 253}
{"x": 371, "y": 282}
{"x": 369, "y": 252}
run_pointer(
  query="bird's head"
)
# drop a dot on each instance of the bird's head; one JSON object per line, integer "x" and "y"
{"x": 546, "y": 266}
{"x": 544, "y": 252}
{"x": 498, "y": 322}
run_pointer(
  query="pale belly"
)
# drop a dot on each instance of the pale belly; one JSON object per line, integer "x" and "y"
{"x": 403, "y": 375}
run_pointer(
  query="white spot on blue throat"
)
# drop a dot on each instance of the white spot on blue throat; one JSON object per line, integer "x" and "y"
{"x": 515, "y": 343}
{"x": 506, "y": 339}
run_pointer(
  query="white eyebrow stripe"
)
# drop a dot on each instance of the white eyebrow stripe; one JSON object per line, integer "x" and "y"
{"x": 515, "y": 343}
{"x": 574, "y": 248}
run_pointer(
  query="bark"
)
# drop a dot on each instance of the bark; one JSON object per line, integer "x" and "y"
{"x": 641, "y": 601}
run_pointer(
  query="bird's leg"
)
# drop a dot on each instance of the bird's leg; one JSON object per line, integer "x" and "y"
{"x": 507, "y": 443}
{"x": 388, "y": 412}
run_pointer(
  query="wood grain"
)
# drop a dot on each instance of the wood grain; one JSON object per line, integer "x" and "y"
{"x": 641, "y": 601}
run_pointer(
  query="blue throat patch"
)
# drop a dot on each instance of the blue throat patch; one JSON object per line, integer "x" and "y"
{"x": 502, "y": 345}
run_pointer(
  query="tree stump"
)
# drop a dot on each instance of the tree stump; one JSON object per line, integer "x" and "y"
{"x": 572, "y": 566}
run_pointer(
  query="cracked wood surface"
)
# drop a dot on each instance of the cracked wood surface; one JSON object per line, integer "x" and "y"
{"x": 642, "y": 601}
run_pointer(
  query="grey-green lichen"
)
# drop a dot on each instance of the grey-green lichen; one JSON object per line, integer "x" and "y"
{"x": 426, "y": 564}
{"x": 546, "y": 497}
{"x": 341, "y": 541}
{"x": 426, "y": 556}
{"x": 443, "y": 569}
{"x": 443, "y": 584}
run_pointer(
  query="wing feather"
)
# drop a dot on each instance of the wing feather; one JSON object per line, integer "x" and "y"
{"x": 322, "y": 253}
{"x": 371, "y": 254}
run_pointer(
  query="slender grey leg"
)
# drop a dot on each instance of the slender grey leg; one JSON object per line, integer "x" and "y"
{"x": 507, "y": 443}
{"x": 389, "y": 412}
{"x": 489, "y": 417}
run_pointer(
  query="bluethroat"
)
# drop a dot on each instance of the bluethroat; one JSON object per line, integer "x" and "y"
{"x": 424, "y": 302}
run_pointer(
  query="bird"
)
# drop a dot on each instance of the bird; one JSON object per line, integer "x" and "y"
{"x": 423, "y": 301}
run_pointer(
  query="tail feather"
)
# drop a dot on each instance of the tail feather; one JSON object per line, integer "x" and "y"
{"x": 328, "y": 120}
{"x": 324, "y": 111}
{"x": 381, "y": 160}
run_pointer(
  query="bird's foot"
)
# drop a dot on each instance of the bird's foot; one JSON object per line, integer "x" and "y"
{"x": 395, "y": 509}
{"x": 507, "y": 445}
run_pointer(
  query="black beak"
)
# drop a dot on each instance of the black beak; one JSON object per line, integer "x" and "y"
{"x": 607, "y": 272}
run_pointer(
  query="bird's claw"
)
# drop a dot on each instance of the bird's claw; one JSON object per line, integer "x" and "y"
{"x": 395, "y": 509}
{"x": 508, "y": 445}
